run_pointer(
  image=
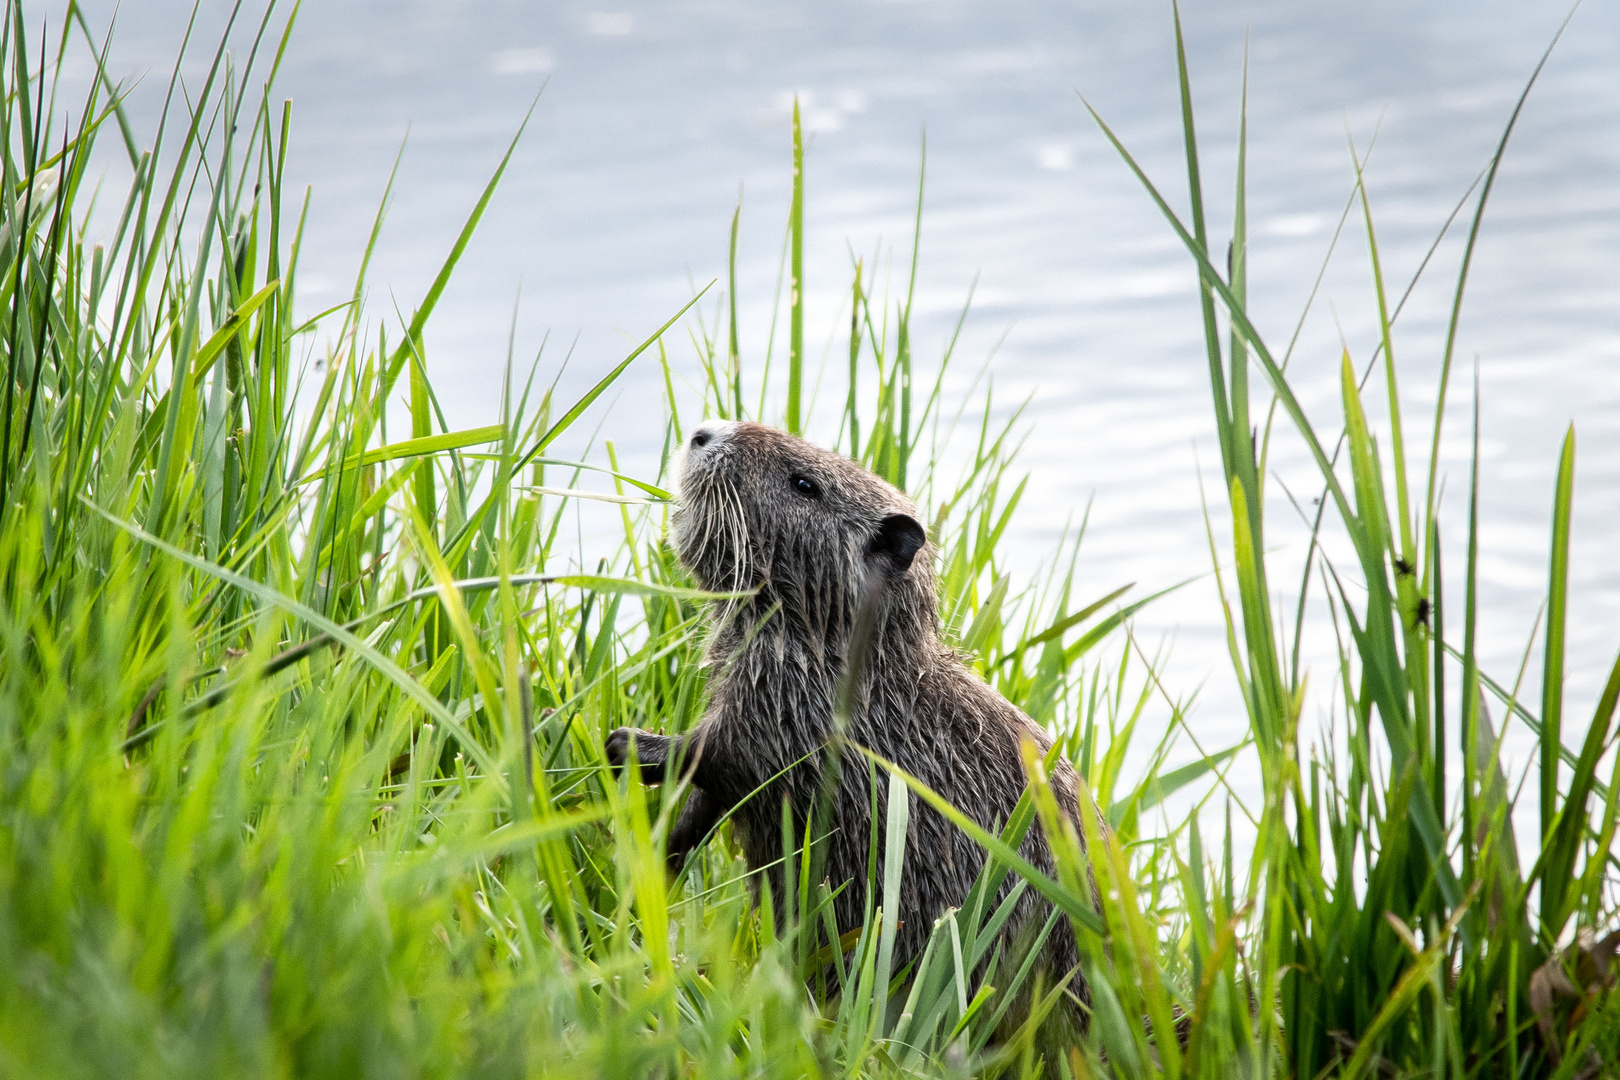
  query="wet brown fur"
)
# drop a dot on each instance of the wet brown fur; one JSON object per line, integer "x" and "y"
{"x": 746, "y": 522}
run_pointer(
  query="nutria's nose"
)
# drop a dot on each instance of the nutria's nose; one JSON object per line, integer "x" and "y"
{"x": 707, "y": 432}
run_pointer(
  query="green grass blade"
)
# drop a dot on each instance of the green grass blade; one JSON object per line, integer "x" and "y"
{"x": 1552, "y": 678}
{"x": 411, "y": 344}
{"x": 409, "y": 686}
{"x": 606, "y": 381}
{"x": 1468, "y": 256}
{"x": 1077, "y": 908}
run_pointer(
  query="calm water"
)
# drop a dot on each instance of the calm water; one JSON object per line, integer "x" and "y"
{"x": 653, "y": 116}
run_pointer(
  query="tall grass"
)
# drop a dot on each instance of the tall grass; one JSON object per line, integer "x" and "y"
{"x": 301, "y": 713}
{"x": 302, "y": 703}
{"x": 1397, "y": 928}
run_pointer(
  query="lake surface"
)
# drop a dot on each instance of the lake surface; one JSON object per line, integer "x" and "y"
{"x": 653, "y": 116}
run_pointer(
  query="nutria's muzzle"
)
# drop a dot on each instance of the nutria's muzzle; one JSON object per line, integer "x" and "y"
{"x": 706, "y": 442}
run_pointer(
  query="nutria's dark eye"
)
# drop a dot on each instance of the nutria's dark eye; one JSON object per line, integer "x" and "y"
{"x": 806, "y": 487}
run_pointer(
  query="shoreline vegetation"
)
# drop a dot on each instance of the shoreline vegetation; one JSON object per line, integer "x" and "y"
{"x": 300, "y": 731}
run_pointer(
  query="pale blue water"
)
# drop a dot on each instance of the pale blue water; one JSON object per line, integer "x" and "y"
{"x": 619, "y": 199}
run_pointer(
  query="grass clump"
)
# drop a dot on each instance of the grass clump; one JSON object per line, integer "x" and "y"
{"x": 301, "y": 712}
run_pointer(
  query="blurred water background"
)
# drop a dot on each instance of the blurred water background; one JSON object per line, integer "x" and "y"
{"x": 655, "y": 116}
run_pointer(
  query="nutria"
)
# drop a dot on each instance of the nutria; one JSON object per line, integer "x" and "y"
{"x": 833, "y": 554}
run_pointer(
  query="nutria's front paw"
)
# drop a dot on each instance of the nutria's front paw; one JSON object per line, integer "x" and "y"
{"x": 617, "y": 748}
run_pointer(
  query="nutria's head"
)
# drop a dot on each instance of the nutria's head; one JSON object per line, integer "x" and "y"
{"x": 809, "y": 528}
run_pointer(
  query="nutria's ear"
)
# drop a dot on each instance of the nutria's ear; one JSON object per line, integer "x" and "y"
{"x": 900, "y": 538}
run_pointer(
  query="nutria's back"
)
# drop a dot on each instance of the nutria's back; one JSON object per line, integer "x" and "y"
{"x": 829, "y": 546}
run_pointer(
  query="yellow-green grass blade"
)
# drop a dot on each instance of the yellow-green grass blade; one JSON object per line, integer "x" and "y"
{"x": 1552, "y": 677}
{"x": 1199, "y": 238}
{"x": 229, "y": 329}
{"x": 1077, "y": 908}
{"x": 409, "y": 686}
{"x": 418, "y": 447}
{"x": 1386, "y": 320}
